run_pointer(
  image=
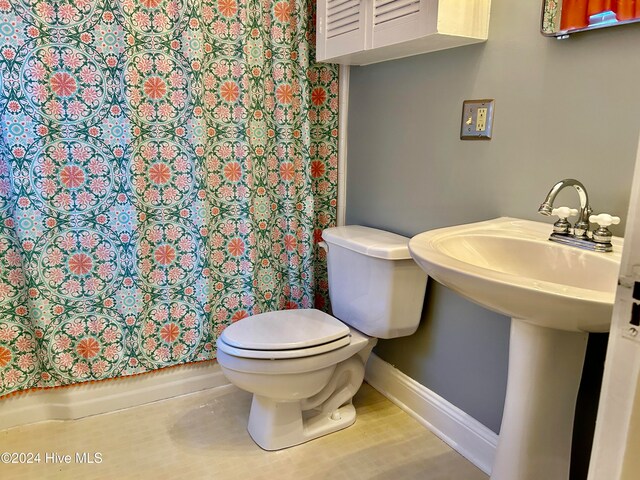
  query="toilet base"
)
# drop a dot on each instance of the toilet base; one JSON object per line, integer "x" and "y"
{"x": 275, "y": 425}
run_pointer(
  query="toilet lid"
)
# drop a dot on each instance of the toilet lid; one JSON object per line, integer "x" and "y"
{"x": 283, "y": 354}
{"x": 293, "y": 333}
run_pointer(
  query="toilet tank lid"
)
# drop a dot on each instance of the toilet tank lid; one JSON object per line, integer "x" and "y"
{"x": 369, "y": 241}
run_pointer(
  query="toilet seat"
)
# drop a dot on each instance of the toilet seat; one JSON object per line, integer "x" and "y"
{"x": 284, "y": 334}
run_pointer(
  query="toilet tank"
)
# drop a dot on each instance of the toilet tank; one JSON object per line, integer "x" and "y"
{"x": 374, "y": 284}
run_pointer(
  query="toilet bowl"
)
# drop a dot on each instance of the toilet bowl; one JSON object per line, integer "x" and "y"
{"x": 304, "y": 366}
{"x": 294, "y": 399}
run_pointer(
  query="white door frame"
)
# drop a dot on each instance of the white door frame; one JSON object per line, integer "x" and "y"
{"x": 616, "y": 444}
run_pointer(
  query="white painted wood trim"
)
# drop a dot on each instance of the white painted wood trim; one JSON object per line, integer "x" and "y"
{"x": 615, "y": 446}
{"x": 343, "y": 116}
{"x": 87, "y": 399}
{"x": 459, "y": 430}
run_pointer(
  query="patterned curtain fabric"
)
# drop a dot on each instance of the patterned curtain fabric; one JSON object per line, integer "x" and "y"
{"x": 166, "y": 168}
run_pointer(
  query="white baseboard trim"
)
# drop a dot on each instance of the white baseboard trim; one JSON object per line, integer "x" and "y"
{"x": 462, "y": 432}
{"x": 87, "y": 399}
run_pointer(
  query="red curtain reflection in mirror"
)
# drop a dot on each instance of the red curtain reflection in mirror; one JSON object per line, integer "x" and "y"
{"x": 598, "y": 6}
{"x": 576, "y": 13}
{"x": 626, "y": 10}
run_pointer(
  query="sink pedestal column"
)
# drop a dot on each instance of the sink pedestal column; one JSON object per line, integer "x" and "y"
{"x": 545, "y": 367}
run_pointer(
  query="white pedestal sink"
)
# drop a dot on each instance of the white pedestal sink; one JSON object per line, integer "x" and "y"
{"x": 554, "y": 295}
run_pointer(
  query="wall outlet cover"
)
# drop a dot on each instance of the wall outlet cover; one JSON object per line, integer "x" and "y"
{"x": 477, "y": 119}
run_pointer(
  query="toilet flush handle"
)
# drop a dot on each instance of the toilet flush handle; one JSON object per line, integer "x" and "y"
{"x": 323, "y": 245}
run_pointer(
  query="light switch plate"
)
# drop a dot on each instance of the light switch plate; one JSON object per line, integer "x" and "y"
{"x": 477, "y": 119}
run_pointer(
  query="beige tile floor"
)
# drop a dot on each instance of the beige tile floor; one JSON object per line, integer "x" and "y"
{"x": 203, "y": 436}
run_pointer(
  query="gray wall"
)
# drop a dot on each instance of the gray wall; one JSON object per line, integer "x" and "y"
{"x": 563, "y": 109}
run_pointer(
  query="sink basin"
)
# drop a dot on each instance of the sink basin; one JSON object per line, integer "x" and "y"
{"x": 554, "y": 294}
{"x": 508, "y": 265}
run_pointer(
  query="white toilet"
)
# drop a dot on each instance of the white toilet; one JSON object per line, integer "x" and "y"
{"x": 304, "y": 366}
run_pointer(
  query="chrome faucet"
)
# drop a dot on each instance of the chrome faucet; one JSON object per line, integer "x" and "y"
{"x": 580, "y": 235}
{"x": 581, "y": 227}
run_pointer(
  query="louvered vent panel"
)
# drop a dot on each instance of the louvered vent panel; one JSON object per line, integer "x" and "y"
{"x": 388, "y": 10}
{"x": 342, "y": 17}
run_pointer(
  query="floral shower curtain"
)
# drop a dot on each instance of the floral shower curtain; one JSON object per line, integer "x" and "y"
{"x": 166, "y": 168}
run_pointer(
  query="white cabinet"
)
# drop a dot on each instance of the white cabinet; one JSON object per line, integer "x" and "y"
{"x": 359, "y": 32}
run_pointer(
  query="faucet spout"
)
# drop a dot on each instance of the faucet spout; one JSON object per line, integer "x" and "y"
{"x": 582, "y": 225}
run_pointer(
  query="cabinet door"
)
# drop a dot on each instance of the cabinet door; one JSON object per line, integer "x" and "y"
{"x": 397, "y": 21}
{"x": 341, "y": 27}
